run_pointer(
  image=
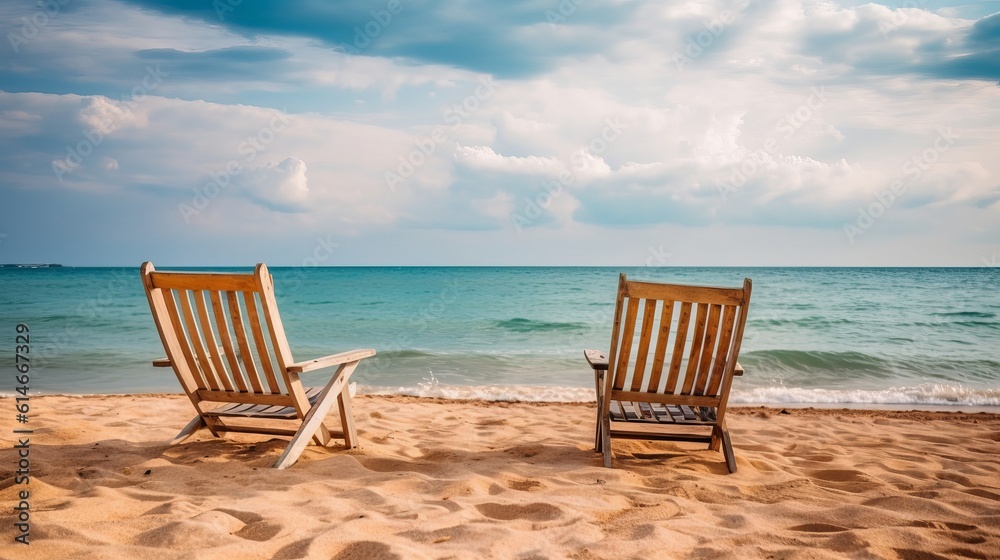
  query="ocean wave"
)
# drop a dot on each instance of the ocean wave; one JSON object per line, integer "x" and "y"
{"x": 824, "y": 366}
{"x": 972, "y": 314}
{"x": 431, "y": 387}
{"x": 977, "y": 324}
{"x": 924, "y": 394}
{"x": 528, "y": 325}
{"x": 812, "y": 360}
{"x": 395, "y": 354}
{"x": 805, "y": 322}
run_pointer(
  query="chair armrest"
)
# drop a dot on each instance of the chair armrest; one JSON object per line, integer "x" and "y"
{"x": 739, "y": 369}
{"x": 332, "y": 360}
{"x": 596, "y": 359}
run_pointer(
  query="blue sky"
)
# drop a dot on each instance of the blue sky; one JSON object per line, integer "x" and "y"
{"x": 572, "y": 132}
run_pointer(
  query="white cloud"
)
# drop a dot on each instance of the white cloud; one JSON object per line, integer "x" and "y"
{"x": 106, "y": 116}
{"x": 484, "y": 158}
{"x": 279, "y": 186}
{"x": 499, "y": 207}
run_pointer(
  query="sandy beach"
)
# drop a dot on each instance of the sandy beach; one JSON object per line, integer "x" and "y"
{"x": 471, "y": 479}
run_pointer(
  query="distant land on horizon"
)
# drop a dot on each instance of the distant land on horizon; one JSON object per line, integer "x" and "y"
{"x": 50, "y": 265}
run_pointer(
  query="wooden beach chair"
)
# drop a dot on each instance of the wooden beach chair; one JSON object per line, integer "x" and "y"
{"x": 229, "y": 374}
{"x": 671, "y": 364}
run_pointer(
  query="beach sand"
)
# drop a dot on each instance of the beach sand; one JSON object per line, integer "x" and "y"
{"x": 450, "y": 479}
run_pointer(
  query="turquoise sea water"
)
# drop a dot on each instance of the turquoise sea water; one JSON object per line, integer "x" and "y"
{"x": 910, "y": 336}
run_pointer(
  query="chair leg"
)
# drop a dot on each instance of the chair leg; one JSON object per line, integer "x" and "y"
{"x": 314, "y": 418}
{"x": 598, "y": 385}
{"x": 599, "y": 435}
{"x": 606, "y": 440}
{"x": 720, "y": 438}
{"x": 193, "y": 426}
{"x": 347, "y": 419}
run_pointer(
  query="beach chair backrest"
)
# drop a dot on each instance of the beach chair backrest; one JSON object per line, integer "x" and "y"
{"x": 222, "y": 332}
{"x": 675, "y": 344}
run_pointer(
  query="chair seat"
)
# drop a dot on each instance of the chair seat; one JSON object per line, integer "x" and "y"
{"x": 244, "y": 410}
{"x": 655, "y": 413}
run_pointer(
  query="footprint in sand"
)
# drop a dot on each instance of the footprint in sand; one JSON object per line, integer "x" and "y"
{"x": 293, "y": 551}
{"x": 943, "y": 525}
{"x": 818, "y": 528}
{"x": 527, "y": 485}
{"x": 531, "y": 512}
{"x": 844, "y": 479}
{"x": 982, "y": 493}
{"x": 209, "y": 529}
{"x": 176, "y": 508}
{"x": 366, "y": 550}
{"x": 256, "y": 528}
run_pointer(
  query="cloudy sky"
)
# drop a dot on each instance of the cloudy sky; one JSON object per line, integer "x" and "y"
{"x": 543, "y": 132}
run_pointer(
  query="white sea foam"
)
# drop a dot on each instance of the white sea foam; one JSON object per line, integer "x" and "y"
{"x": 925, "y": 394}
{"x": 929, "y": 394}
{"x": 431, "y": 387}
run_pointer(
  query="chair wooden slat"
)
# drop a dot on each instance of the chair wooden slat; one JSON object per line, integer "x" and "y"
{"x": 707, "y": 350}
{"x": 190, "y": 359}
{"x": 208, "y": 333}
{"x": 725, "y": 337}
{"x": 195, "y": 339}
{"x": 694, "y": 348}
{"x": 246, "y": 357}
{"x": 222, "y": 324}
{"x": 645, "y": 334}
{"x": 202, "y": 281}
{"x": 680, "y": 342}
{"x": 199, "y": 315}
{"x": 187, "y": 367}
{"x": 263, "y": 354}
{"x": 625, "y": 350}
{"x": 659, "y": 353}
{"x": 680, "y": 292}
